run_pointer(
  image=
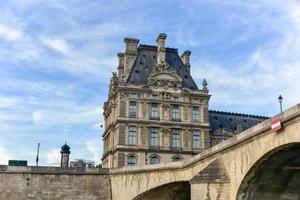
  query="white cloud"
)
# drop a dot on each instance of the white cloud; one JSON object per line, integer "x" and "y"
{"x": 65, "y": 116}
{"x": 53, "y": 157}
{"x": 10, "y": 33}
{"x": 8, "y": 101}
{"x": 93, "y": 147}
{"x": 37, "y": 117}
{"x": 272, "y": 68}
{"x": 57, "y": 44}
{"x": 4, "y": 156}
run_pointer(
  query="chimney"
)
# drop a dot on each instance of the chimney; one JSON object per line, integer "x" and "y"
{"x": 161, "y": 51}
{"x": 121, "y": 64}
{"x": 185, "y": 57}
{"x": 130, "y": 54}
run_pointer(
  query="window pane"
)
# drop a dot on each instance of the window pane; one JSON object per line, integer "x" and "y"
{"x": 154, "y": 160}
{"x": 196, "y": 139}
{"x": 132, "y": 135}
{"x": 154, "y": 137}
{"x": 131, "y": 161}
{"x": 176, "y": 138}
{"x": 195, "y": 113}
{"x": 154, "y": 96}
{"x": 175, "y": 112}
{"x": 154, "y": 110}
{"x": 132, "y": 95}
{"x": 176, "y": 159}
{"x": 132, "y": 109}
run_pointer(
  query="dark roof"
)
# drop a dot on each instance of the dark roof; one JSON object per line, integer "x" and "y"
{"x": 65, "y": 148}
{"x": 146, "y": 60}
{"x": 232, "y": 122}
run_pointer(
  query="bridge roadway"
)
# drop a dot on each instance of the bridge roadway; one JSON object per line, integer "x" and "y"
{"x": 255, "y": 164}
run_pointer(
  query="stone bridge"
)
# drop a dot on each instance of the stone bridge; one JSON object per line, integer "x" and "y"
{"x": 255, "y": 164}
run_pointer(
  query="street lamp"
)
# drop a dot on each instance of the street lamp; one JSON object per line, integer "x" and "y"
{"x": 280, "y": 102}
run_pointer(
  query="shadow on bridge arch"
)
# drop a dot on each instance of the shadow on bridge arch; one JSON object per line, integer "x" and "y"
{"x": 275, "y": 176}
{"x": 171, "y": 191}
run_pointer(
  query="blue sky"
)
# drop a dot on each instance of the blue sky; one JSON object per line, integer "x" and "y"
{"x": 56, "y": 58}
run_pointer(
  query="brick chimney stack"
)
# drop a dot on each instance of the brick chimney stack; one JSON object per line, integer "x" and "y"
{"x": 131, "y": 47}
{"x": 121, "y": 64}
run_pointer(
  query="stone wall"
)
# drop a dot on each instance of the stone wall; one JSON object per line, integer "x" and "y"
{"x": 18, "y": 183}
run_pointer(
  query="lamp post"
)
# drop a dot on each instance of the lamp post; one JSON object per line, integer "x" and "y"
{"x": 37, "y": 155}
{"x": 280, "y": 102}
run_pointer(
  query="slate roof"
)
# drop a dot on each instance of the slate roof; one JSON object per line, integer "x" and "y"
{"x": 232, "y": 121}
{"x": 146, "y": 60}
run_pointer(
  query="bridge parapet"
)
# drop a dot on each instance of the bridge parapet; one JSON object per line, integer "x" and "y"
{"x": 238, "y": 154}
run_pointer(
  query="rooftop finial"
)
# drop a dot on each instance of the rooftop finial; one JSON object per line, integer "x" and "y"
{"x": 204, "y": 85}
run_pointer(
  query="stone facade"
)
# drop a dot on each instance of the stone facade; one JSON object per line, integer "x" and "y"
{"x": 53, "y": 183}
{"x": 155, "y": 112}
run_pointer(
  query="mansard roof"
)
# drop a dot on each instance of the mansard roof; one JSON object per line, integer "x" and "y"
{"x": 146, "y": 60}
{"x": 232, "y": 122}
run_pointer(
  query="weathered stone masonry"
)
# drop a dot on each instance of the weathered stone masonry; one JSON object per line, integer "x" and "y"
{"x": 53, "y": 183}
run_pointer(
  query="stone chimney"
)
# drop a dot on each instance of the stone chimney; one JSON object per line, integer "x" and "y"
{"x": 185, "y": 57}
{"x": 130, "y": 54}
{"x": 161, "y": 50}
{"x": 121, "y": 64}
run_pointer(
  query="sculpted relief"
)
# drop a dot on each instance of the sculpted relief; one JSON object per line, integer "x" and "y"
{"x": 165, "y": 77}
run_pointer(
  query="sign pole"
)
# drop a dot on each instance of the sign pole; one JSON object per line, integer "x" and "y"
{"x": 37, "y": 155}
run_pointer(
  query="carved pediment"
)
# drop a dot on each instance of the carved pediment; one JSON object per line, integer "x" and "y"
{"x": 164, "y": 76}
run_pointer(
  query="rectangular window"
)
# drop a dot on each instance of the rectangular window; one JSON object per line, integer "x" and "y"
{"x": 175, "y": 113}
{"x": 154, "y": 96}
{"x": 195, "y": 113}
{"x": 175, "y": 98}
{"x": 175, "y": 138}
{"x": 154, "y": 137}
{"x": 196, "y": 139}
{"x": 195, "y": 100}
{"x": 132, "y": 95}
{"x": 154, "y": 111}
{"x": 132, "y": 135}
{"x": 132, "y": 109}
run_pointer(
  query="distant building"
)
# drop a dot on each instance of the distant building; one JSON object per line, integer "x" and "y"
{"x": 65, "y": 155}
{"x": 156, "y": 113}
{"x": 81, "y": 163}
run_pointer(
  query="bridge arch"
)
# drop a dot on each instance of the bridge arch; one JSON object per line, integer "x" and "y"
{"x": 171, "y": 191}
{"x": 274, "y": 176}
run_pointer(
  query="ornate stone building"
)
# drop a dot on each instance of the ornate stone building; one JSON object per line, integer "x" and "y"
{"x": 155, "y": 112}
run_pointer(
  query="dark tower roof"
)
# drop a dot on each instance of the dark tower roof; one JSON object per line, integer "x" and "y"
{"x": 65, "y": 149}
{"x": 232, "y": 122}
{"x": 146, "y": 60}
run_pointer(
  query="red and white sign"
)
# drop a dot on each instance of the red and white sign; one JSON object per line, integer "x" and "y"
{"x": 276, "y": 125}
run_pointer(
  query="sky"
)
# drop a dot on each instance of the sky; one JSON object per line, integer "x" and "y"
{"x": 57, "y": 56}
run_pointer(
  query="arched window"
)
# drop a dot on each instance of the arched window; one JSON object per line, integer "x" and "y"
{"x": 131, "y": 160}
{"x": 154, "y": 159}
{"x": 176, "y": 158}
